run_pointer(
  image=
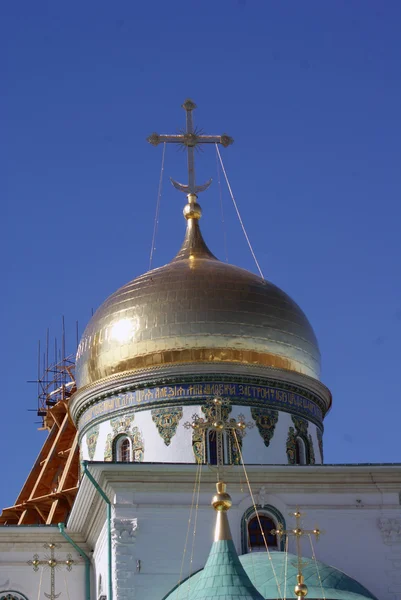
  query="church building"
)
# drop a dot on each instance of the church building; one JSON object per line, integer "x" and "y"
{"x": 185, "y": 453}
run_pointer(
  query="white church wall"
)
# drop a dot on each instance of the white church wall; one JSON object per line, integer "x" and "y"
{"x": 351, "y": 541}
{"x": 16, "y": 574}
{"x": 100, "y": 562}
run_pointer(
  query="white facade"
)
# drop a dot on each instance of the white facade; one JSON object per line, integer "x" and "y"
{"x": 19, "y": 545}
{"x": 357, "y": 508}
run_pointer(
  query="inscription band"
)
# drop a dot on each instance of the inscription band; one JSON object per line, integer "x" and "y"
{"x": 252, "y": 394}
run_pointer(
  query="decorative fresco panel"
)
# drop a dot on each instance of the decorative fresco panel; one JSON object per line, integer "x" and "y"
{"x": 301, "y": 425}
{"x": 266, "y": 421}
{"x": 320, "y": 442}
{"x": 311, "y": 450}
{"x": 123, "y": 426}
{"x": 91, "y": 440}
{"x": 291, "y": 446}
{"x": 300, "y": 431}
{"x": 166, "y": 421}
{"x": 137, "y": 445}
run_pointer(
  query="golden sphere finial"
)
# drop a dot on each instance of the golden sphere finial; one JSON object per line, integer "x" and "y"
{"x": 218, "y": 425}
{"x": 192, "y": 210}
{"x": 301, "y": 589}
{"x": 221, "y": 501}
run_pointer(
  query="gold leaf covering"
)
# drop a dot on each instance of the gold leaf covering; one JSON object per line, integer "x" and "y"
{"x": 196, "y": 309}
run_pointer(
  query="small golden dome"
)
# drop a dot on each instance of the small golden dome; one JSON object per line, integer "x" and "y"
{"x": 196, "y": 309}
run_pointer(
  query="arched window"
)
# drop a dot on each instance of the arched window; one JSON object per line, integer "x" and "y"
{"x": 300, "y": 451}
{"x": 122, "y": 449}
{"x": 251, "y": 531}
{"x": 125, "y": 451}
{"x": 212, "y": 448}
{"x": 256, "y": 539}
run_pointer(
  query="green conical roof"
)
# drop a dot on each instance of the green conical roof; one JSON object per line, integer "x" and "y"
{"x": 223, "y": 577}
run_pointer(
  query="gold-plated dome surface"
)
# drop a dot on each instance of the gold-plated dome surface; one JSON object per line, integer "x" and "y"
{"x": 196, "y": 309}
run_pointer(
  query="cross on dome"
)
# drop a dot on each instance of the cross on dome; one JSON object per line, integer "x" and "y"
{"x": 190, "y": 139}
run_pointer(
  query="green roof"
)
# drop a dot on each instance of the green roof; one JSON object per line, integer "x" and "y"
{"x": 223, "y": 577}
{"x": 220, "y": 580}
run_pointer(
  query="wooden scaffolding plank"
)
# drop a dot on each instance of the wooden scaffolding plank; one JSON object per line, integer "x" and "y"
{"x": 66, "y": 472}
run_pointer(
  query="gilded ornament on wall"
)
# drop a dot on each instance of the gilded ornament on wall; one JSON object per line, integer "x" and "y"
{"x": 291, "y": 446}
{"x": 311, "y": 450}
{"x": 234, "y": 447}
{"x": 300, "y": 431}
{"x": 266, "y": 420}
{"x": 209, "y": 411}
{"x": 166, "y": 421}
{"x": 137, "y": 444}
{"x": 301, "y": 425}
{"x": 122, "y": 424}
{"x": 198, "y": 445}
{"x": 320, "y": 442}
{"x": 91, "y": 440}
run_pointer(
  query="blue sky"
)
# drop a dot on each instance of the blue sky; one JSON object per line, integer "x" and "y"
{"x": 311, "y": 92}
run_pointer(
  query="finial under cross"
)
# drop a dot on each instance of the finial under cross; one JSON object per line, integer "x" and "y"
{"x": 218, "y": 422}
{"x": 301, "y": 589}
{"x": 52, "y": 563}
{"x": 190, "y": 139}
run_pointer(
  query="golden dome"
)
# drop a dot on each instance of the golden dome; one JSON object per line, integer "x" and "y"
{"x": 196, "y": 309}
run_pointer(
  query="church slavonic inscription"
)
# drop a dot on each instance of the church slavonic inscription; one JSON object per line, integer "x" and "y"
{"x": 272, "y": 397}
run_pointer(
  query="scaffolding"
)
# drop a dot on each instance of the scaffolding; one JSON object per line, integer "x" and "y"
{"x": 49, "y": 491}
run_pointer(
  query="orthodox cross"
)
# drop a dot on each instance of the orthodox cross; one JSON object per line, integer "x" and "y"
{"x": 301, "y": 588}
{"x": 190, "y": 139}
{"x": 218, "y": 422}
{"x": 52, "y": 563}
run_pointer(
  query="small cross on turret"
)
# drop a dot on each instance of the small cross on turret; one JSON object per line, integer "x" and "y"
{"x": 301, "y": 589}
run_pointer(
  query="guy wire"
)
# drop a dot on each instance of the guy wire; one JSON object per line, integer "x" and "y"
{"x": 257, "y": 514}
{"x": 198, "y": 467}
{"x": 66, "y": 586}
{"x": 316, "y": 565}
{"x": 222, "y": 208}
{"x": 194, "y": 533}
{"x": 159, "y": 194}
{"x": 40, "y": 583}
{"x": 286, "y": 567}
{"x": 238, "y": 213}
